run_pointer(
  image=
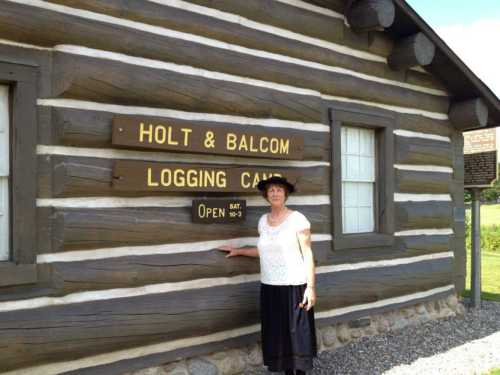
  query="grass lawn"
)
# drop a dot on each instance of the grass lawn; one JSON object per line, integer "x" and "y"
{"x": 490, "y": 260}
{"x": 494, "y": 372}
{"x": 490, "y": 214}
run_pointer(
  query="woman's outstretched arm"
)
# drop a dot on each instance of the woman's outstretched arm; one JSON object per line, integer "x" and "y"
{"x": 310, "y": 293}
{"x": 243, "y": 251}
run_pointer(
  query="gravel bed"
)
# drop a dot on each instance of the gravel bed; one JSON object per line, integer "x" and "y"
{"x": 468, "y": 344}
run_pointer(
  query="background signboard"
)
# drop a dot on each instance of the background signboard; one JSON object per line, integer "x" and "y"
{"x": 480, "y": 169}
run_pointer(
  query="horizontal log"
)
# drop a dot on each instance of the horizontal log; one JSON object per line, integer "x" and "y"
{"x": 469, "y": 114}
{"x": 101, "y": 80}
{"x": 368, "y": 15}
{"x": 138, "y": 270}
{"x": 75, "y": 330}
{"x": 60, "y": 278}
{"x": 87, "y": 128}
{"x": 422, "y": 182}
{"x": 68, "y": 176}
{"x": 414, "y": 50}
{"x": 75, "y": 30}
{"x": 410, "y": 150}
{"x": 80, "y": 229}
{"x": 299, "y": 21}
{"x": 424, "y": 125}
{"x": 423, "y": 215}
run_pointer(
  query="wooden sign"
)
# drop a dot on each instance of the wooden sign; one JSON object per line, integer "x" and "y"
{"x": 222, "y": 211}
{"x": 157, "y": 133}
{"x": 481, "y": 169}
{"x": 153, "y": 176}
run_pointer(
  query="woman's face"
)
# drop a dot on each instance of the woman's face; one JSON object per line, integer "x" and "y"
{"x": 276, "y": 195}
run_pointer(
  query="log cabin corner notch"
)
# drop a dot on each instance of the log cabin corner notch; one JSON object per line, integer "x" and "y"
{"x": 473, "y": 105}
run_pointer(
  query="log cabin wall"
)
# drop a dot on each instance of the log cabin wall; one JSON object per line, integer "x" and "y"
{"x": 126, "y": 280}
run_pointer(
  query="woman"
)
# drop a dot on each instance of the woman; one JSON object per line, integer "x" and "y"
{"x": 287, "y": 289}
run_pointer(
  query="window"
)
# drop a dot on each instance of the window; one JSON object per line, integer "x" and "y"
{"x": 4, "y": 173}
{"x": 18, "y": 182}
{"x": 362, "y": 178}
{"x": 358, "y": 179}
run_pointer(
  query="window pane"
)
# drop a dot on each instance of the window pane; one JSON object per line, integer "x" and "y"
{"x": 4, "y": 131}
{"x": 352, "y": 166}
{"x": 367, "y": 147}
{"x": 358, "y": 178}
{"x": 352, "y": 141}
{"x": 350, "y": 194}
{"x": 4, "y": 219}
{"x": 365, "y": 219}
{"x": 4, "y": 173}
{"x": 365, "y": 194}
{"x": 351, "y": 220}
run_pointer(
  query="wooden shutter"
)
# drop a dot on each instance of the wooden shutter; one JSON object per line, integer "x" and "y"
{"x": 4, "y": 173}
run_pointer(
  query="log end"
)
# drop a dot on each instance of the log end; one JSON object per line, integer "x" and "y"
{"x": 367, "y": 15}
{"x": 424, "y": 49}
{"x": 469, "y": 114}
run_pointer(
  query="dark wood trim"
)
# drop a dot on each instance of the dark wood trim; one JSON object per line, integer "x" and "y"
{"x": 384, "y": 191}
{"x": 22, "y": 80}
{"x": 17, "y": 274}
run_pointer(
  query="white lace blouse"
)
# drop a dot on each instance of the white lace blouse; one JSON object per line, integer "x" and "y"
{"x": 281, "y": 261}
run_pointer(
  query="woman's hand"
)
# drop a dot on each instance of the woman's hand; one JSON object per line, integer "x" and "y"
{"x": 309, "y": 298}
{"x": 232, "y": 251}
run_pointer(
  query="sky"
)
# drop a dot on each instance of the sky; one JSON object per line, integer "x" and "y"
{"x": 471, "y": 28}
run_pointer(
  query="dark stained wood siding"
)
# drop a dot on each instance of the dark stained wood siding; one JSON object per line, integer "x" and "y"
{"x": 112, "y": 69}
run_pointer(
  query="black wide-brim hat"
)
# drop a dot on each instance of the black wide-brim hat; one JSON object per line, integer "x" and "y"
{"x": 276, "y": 180}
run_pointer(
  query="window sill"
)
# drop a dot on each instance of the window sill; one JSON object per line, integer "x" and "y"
{"x": 361, "y": 240}
{"x": 17, "y": 274}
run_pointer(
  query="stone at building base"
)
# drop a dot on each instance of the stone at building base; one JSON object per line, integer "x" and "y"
{"x": 247, "y": 360}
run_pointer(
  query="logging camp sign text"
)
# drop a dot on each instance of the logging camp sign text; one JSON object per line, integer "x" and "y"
{"x": 175, "y": 135}
{"x": 157, "y": 176}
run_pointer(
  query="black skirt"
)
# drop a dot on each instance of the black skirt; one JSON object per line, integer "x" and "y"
{"x": 287, "y": 331}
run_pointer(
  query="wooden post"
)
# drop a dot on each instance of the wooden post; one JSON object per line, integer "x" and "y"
{"x": 415, "y": 50}
{"x": 366, "y": 15}
{"x": 476, "y": 248}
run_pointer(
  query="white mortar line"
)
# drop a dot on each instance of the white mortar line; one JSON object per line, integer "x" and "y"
{"x": 313, "y": 8}
{"x": 172, "y": 157}
{"x": 182, "y": 115}
{"x": 130, "y": 353}
{"x": 175, "y": 248}
{"x": 160, "y": 201}
{"x": 401, "y": 197}
{"x": 423, "y": 168}
{"x": 425, "y": 232}
{"x": 412, "y": 134}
